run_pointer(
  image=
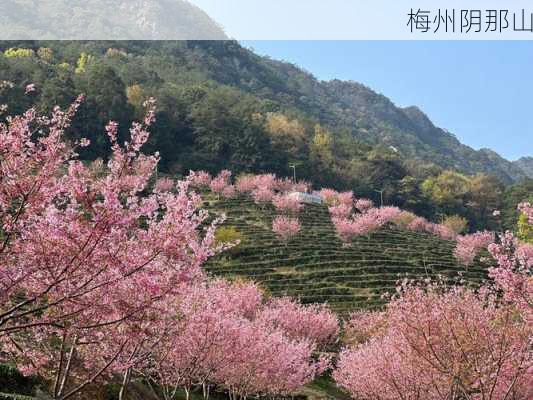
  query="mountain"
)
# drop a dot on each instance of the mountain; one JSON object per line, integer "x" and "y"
{"x": 105, "y": 19}
{"x": 346, "y": 105}
{"x": 267, "y": 86}
{"x": 526, "y": 165}
{"x": 340, "y": 105}
{"x": 412, "y": 132}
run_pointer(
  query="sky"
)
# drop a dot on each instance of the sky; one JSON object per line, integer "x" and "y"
{"x": 479, "y": 90}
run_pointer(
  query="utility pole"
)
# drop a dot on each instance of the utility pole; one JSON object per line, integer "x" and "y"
{"x": 294, "y": 172}
{"x": 381, "y": 195}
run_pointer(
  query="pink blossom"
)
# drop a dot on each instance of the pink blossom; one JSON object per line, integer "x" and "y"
{"x": 363, "y": 204}
{"x": 228, "y": 336}
{"x": 229, "y": 192}
{"x": 513, "y": 272}
{"x": 219, "y": 183}
{"x": 266, "y": 182}
{"x": 164, "y": 185}
{"x": 419, "y": 224}
{"x": 92, "y": 262}
{"x": 302, "y": 187}
{"x": 432, "y": 342}
{"x": 199, "y": 179}
{"x": 345, "y": 198}
{"x": 441, "y": 231}
{"x": 363, "y": 325}
{"x": 285, "y": 228}
{"x": 287, "y": 203}
{"x": 340, "y": 211}
{"x": 329, "y": 196}
{"x": 245, "y": 183}
{"x": 313, "y": 322}
{"x": 469, "y": 246}
{"x": 365, "y": 223}
{"x": 284, "y": 185}
{"x": 262, "y": 195}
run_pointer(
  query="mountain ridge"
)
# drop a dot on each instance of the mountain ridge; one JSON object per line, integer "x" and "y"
{"x": 341, "y": 105}
{"x": 105, "y": 19}
{"x": 411, "y": 122}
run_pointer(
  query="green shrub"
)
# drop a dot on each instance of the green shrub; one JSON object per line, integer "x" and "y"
{"x": 525, "y": 229}
{"x": 228, "y": 234}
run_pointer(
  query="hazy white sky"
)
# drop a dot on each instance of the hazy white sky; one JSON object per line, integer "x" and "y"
{"x": 353, "y": 19}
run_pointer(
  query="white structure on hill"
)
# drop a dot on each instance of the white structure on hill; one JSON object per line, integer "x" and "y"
{"x": 306, "y": 197}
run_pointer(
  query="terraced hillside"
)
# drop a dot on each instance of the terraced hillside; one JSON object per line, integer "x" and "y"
{"x": 316, "y": 267}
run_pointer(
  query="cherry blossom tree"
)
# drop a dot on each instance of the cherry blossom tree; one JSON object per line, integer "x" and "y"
{"x": 340, "y": 211}
{"x": 262, "y": 195}
{"x": 284, "y": 185}
{"x": 164, "y": 185}
{"x": 201, "y": 339}
{"x": 287, "y": 203}
{"x": 245, "y": 183}
{"x": 513, "y": 272}
{"x": 220, "y": 182}
{"x": 315, "y": 323}
{"x": 227, "y": 335}
{"x": 361, "y": 326}
{"x": 266, "y": 182}
{"x": 469, "y": 246}
{"x": 441, "y": 231}
{"x": 329, "y": 196}
{"x": 345, "y": 198}
{"x": 268, "y": 363}
{"x": 229, "y": 192}
{"x": 86, "y": 256}
{"x": 200, "y": 179}
{"x": 364, "y": 223}
{"x": 420, "y": 224}
{"x": 302, "y": 187}
{"x": 439, "y": 343}
{"x": 285, "y": 228}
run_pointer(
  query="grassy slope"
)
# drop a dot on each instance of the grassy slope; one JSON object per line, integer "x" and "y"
{"x": 316, "y": 267}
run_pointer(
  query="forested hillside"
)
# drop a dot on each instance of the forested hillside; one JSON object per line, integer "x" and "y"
{"x": 222, "y": 106}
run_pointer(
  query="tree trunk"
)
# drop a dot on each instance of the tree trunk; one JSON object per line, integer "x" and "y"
{"x": 66, "y": 374}
{"x": 125, "y": 383}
